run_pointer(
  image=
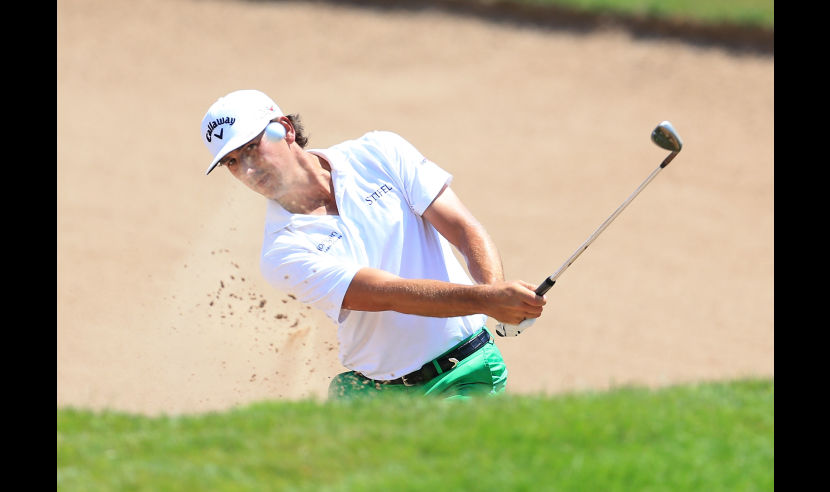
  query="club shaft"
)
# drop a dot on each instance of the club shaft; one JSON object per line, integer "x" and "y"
{"x": 548, "y": 282}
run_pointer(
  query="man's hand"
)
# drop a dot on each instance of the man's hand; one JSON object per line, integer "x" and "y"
{"x": 513, "y": 302}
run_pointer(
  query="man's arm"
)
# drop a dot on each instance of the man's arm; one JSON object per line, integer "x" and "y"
{"x": 507, "y": 302}
{"x": 376, "y": 290}
{"x": 456, "y": 223}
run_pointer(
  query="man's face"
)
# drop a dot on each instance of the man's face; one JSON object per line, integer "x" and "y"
{"x": 259, "y": 164}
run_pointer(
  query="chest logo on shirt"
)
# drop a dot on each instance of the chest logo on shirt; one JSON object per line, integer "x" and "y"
{"x": 378, "y": 194}
{"x": 325, "y": 245}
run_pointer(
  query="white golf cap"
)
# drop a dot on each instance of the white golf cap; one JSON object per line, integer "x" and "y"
{"x": 235, "y": 119}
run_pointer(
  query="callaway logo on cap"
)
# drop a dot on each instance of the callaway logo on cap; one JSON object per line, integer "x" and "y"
{"x": 235, "y": 119}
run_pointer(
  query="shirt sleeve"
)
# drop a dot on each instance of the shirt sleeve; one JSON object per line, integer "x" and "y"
{"x": 316, "y": 279}
{"x": 421, "y": 178}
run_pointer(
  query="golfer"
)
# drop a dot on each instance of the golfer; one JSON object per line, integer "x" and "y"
{"x": 363, "y": 230}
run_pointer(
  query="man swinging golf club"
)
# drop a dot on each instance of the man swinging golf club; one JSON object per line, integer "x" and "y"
{"x": 362, "y": 230}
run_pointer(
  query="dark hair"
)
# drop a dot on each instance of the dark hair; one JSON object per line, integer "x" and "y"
{"x": 299, "y": 132}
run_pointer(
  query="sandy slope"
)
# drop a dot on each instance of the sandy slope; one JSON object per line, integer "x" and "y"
{"x": 161, "y": 307}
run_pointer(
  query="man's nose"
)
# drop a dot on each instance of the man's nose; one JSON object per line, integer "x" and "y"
{"x": 248, "y": 166}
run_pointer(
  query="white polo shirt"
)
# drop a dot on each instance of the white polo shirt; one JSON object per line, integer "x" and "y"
{"x": 382, "y": 186}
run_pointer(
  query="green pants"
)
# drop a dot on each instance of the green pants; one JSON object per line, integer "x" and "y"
{"x": 482, "y": 373}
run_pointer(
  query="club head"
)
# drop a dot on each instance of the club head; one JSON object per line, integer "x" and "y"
{"x": 665, "y": 136}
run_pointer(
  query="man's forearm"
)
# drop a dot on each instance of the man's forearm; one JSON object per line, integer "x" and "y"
{"x": 482, "y": 257}
{"x": 376, "y": 290}
{"x": 455, "y": 222}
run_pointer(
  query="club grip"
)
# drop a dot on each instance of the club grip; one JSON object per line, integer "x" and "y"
{"x": 544, "y": 286}
{"x": 504, "y": 330}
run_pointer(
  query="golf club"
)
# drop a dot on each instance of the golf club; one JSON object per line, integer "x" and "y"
{"x": 665, "y": 136}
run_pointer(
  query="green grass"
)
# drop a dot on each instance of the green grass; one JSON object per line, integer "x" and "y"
{"x": 716, "y": 436}
{"x": 756, "y": 13}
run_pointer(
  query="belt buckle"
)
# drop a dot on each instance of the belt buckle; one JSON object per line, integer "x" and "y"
{"x": 405, "y": 382}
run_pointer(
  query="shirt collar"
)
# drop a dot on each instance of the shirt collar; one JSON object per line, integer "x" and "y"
{"x": 278, "y": 218}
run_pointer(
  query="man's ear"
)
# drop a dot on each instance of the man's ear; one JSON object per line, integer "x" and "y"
{"x": 290, "y": 132}
{"x": 275, "y": 131}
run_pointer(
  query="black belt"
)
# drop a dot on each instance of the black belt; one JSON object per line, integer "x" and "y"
{"x": 446, "y": 362}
